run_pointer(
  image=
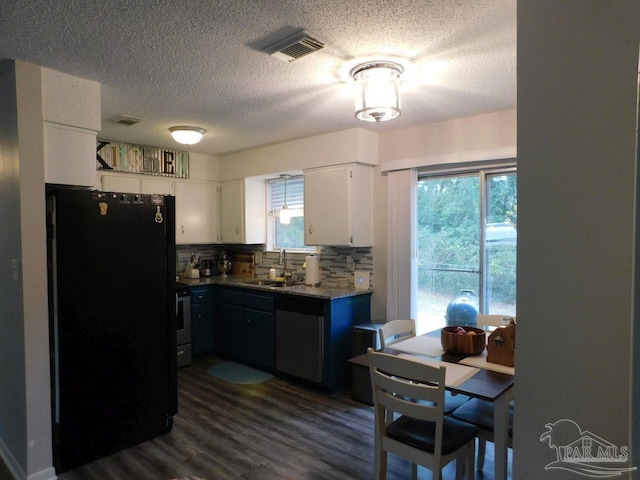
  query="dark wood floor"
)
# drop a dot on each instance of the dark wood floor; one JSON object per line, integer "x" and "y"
{"x": 267, "y": 431}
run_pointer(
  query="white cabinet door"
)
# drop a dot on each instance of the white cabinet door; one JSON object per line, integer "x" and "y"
{"x": 326, "y": 210}
{"x": 255, "y": 211}
{"x": 243, "y": 215}
{"x": 232, "y": 211}
{"x": 196, "y": 207}
{"x": 69, "y": 155}
{"x": 120, "y": 183}
{"x": 338, "y": 206}
{"x": 162, "y": 186}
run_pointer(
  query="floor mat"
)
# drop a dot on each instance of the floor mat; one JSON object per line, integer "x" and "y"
{"x": 233, "y": 372}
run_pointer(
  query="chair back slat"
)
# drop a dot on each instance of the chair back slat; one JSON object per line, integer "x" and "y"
{"x": 415, "y": 391}
{"x": 492, "y": 320}
{"x": 407, "y": 387}
{"x": 395, "y": 331}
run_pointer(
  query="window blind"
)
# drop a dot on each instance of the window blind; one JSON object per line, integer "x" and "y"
{"x": 276, "y": 192}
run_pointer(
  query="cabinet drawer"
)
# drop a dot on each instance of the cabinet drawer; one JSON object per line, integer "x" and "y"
{"x": 231, "y": 296}
{"x": 201, "y": 295}
{"x": 259, "y": 302}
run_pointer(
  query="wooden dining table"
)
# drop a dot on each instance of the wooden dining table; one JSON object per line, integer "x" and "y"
{"x": 480, "y": 379}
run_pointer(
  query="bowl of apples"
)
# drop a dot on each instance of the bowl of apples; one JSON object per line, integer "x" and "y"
{"x": 460, "y": 340}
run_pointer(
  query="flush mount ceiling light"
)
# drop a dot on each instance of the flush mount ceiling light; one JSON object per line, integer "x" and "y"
{"x": 378, "y": 91}
{"x": 187, "y": 135}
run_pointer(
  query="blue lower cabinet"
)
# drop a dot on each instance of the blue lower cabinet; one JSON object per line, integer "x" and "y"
{"x": 259, "y": 338}
{"x": 246, "y": 327}
{"x": 230, "y": 339}
{"x": 203, "y": 320}
{"x": 203, "y": 331}
{"x": 246, "y": 332}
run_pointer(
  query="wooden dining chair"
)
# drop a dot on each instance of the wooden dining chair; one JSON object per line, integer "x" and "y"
{"x": 493, "y": 320}
{"x": 422, "y": 434}
{"x": 396, "y": 331}
{"x": 480, "y": 413}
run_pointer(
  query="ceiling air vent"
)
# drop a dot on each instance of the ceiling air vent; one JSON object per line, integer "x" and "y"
{"x": 294, "y": 46}
{"x": 124, "y": 120}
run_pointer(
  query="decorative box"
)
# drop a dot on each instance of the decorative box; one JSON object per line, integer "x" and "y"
{"x": 501, "y": 345}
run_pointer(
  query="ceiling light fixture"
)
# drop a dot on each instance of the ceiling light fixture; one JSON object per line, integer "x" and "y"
{"x": 285, "y": 213}
{"x": 378, "y": 90}
{"x": 187, "y": 135}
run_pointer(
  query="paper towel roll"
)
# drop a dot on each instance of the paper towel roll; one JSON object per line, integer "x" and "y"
{"x": 312, "y": 274}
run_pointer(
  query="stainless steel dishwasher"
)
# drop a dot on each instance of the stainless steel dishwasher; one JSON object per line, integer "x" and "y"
{"x": 300, "y": 337}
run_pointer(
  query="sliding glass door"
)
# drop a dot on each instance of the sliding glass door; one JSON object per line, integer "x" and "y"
{"x": 467, "y": 240}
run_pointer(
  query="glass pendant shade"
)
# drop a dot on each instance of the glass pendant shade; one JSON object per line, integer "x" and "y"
{"x": 377, "y": 91}
{"x": 187, "y": 135}
{"x": 285, "y": 216}
{"x": 285, "y": 213}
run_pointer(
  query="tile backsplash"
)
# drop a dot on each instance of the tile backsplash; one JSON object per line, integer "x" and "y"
{"x": 337, "y": 264}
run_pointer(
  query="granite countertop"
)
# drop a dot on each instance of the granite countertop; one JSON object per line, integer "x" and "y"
{"x": 321, "y": 291}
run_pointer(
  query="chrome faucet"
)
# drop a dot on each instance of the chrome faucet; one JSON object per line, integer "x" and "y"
{"x": 283, "y": 261}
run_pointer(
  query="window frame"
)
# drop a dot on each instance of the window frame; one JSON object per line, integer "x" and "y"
{"x": 484, "y": 172}
{"x": 295, "y": 201}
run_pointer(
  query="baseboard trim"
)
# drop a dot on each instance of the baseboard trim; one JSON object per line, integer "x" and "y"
{"x": 15, "y": 470}
{"x": 46, "y": 474}
{"x": 10, "y": 462}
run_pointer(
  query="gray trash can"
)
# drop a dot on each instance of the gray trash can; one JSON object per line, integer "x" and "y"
{"x": 364, "y": 336}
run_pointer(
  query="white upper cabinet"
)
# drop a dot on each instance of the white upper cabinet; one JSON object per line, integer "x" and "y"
{"x": 197, "y": 202}
{"x": 162, "y": 186}
{"x": 243, "y": 213}
{"x": 71, "y": 117}
{"x": 69, "y": 155}
{"x": 338, "y": 206}
{"x": 127, "y": 183}
{"x": 197, "y": 212}
{"x": 119, "y": 183}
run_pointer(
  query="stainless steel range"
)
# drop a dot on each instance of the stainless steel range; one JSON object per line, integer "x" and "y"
{"x": 183, "y": 326}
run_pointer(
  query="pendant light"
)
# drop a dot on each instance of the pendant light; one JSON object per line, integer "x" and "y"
{"x": 378, "y": 90}
{"x": 187, "y": 135}
{"x": 285, "y": 213}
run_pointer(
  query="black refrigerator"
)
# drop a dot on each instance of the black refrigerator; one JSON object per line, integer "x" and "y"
{"x": 111, "y": 263}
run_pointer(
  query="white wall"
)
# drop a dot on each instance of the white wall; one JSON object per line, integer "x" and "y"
{"x": 13, "y": 419}
{"x": 348, "y": 146}
{"x": 34, "y": 262}
{"x": 450, "y": 141}
{"x": 70, "y": 100}
{"x": 25, "y": 415}
{"x": 204, "y": 167}
{"x": 577, "y": 86}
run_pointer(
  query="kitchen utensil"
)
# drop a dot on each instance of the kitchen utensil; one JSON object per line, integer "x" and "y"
{"x": 224, "y": 264}
{"x": 206, "y": 268}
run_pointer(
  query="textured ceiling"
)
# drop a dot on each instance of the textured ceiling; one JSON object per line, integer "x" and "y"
{"x": 199, "y": 62}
